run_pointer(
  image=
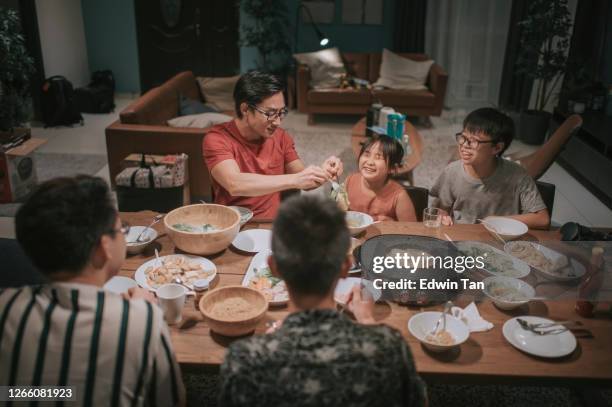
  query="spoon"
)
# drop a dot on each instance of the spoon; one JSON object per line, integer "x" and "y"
{"x": 179, "y": 281}
{"x": 493, "y": 229}
{"x": 156, "y": 219}
{"x": 442, "y": 318}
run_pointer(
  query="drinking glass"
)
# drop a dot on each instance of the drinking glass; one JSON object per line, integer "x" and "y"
{"x": 432, "y": 217}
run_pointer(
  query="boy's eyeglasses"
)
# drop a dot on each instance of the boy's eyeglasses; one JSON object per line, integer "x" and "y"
{"x": 272, "y": 114}
{"x": 471, "y": 143}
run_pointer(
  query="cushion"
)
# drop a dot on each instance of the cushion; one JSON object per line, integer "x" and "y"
{"x": 326, "y": 67}
{"x": 397, "y": 72}
{"x": 219, "y": 92}
{"x": 199, "y": 121}
{"x": 190, "y": 106}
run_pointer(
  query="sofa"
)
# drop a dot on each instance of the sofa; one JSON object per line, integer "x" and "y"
{"x": 142, "y": 128}
{"x": 351, "y": 101}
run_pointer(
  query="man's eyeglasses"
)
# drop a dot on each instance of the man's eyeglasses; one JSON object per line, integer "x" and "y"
{"x": 272, "y": 114}
{"x": 471, "y": 143}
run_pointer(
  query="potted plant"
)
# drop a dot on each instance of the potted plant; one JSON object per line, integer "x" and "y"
{"x": 265, "y": 28}
{"x": 15, "y": 71}
{"x": 542, "y": 57}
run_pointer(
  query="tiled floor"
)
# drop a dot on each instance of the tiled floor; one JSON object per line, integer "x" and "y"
{"x": 572, "y": 201}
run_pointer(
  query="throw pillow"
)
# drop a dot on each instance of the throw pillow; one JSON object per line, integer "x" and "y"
{"x": 190, "y": 106}
{"x": 397, "y": 72}
{"x": 326, "y": 67}
{"x": 219, "y": 92}
{"x": 199, "y": 121}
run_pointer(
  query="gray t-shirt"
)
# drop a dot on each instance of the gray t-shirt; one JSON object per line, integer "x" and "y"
{"x": 509, "y": 191}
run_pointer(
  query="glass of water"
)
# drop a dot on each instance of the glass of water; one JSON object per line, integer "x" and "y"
{"x": 432, "y": 217}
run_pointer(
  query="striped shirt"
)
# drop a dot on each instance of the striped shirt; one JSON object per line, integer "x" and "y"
{"x": 114, "y": 351}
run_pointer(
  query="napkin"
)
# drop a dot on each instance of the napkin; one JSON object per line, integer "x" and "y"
{"x": 471, "y": 317}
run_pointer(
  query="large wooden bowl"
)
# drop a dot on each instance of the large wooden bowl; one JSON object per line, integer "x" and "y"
{"x": 224, "y": 218}
{"x": 234, "y": 326}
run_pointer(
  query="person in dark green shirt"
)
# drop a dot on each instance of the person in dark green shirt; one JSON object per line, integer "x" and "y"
{"x": 319, "y": 356}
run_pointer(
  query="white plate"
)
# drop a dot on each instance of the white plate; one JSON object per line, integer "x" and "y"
{"x": 345, "y": 285}
{"x": 141, "y": 278}
{"x": 420, "y": 326}
{"x": 119, "y": 284}
{"x": 519, "y": 268}
{"x": 575, "y": 267}
{"x": 507, "y": 228}
{"x": 525, "y": 289}
{"x": 260, "y": 260}
{"x": 546, "y": 346}
{"x": 245, "y": 214}
{"x": 253, "y": 240}
{"x": 363, "y": 219}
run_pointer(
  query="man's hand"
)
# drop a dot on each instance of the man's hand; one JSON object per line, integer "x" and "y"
{"x": 333, "y": 167}
{"x": 362, "y": 308}
{"x": 310, "y": 178}
{"x": 135, "y": 293}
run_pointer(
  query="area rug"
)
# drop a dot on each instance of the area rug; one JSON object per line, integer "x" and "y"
{"x": 52, "y": 165}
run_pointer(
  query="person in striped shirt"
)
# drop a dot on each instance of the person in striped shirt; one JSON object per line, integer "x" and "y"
{"x": 115, "y": 350}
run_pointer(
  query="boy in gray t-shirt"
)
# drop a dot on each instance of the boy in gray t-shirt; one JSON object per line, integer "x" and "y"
{"x": 481, "y": 183}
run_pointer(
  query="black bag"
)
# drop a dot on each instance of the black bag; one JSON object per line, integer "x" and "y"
{"x": 99, "y": 95}
{"x": 103, "y": 78}
{"x": 95, "y": 99}
{"x": 58, "y": 106}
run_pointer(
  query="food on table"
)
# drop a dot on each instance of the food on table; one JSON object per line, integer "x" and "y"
{"x": 176, "y": 266}
{"x": 185, "y": 227}
{"x": 353, "y": 222}
{"x": 233, "y": 308}
{"x": 441, "y": 337}
{"x": 536, "y": 259}
{"x": 273, "y": 288}
{"x": 496, "y": 263}
{"x": 506, "y": 293}
{"x": 341, "y": 197}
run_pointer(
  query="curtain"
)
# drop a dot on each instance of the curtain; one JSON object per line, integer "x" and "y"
{"x": 515, "y": 90}
{"x": 409, "y": 26}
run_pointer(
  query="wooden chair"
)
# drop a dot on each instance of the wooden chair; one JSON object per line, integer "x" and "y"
{"x": 419, "y": 197}
{"x": 547, "y": 191}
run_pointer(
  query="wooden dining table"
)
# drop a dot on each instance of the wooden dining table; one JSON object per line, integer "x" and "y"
{"x": 486, "y": 357}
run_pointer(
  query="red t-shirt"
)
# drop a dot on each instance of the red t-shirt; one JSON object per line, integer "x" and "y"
{"x": 266, "y": 157}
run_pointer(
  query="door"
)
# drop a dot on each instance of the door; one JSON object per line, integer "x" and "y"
{"x": 178, "y": 35}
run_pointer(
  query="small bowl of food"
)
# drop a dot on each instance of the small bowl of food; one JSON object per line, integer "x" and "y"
{"x": 507, "y": 228}
{"x": 506, "y": 292}
{"x": 202, "y": 228}
{"x": 422, "y": 325}
{"x": 357, "y": 222}
{"x": 233, "y": 310}
{"x": 245, "y": 214}
{"x": 136, "y": 244}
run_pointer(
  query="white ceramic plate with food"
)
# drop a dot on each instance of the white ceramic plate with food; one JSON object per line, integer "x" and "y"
{"x": 259, "y": 277}
{"x": 245, "y": 214}
{"x": 357, "y": 222}
{"x": 507, "y": 228}
{"x": 253, "y": 240}
{"x": 345, "y": 285}
{"x": 422, "y": 324}
{"x": 545, "y": 346}
{"x": 508, "y": 293}
{"x": 119, "y": 284}
{"x": 154, "y": 273}
{"x": 497, "y": 262}
{"x": 550, "y": 263}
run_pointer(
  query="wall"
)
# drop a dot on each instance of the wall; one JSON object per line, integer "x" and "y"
{"x": 110, "y": 28}
{"x": 347, "y": 37}
{"x": 62, "y": 39}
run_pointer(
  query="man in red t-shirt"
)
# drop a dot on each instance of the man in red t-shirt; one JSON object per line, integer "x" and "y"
{"x": 251, "y": 159}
